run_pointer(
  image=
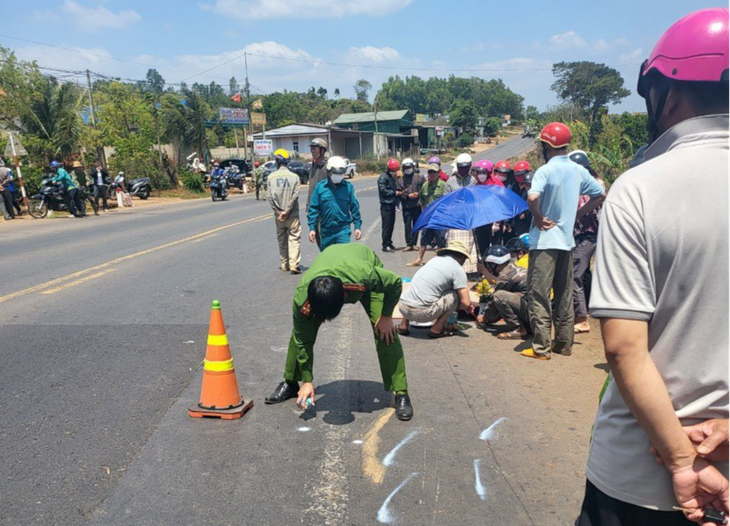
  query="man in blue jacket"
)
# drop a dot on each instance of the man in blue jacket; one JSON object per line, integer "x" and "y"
{"x": 334, "y": 207}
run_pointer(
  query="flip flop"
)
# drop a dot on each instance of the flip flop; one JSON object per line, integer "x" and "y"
{"x": 437, "y": 335}
{"x": 511, "y": 335}
{"x": 530, "y": 353}
{"x": 402, "y": 332}
{"x": 580, "y": 331}
{"x": 415, "y": 264}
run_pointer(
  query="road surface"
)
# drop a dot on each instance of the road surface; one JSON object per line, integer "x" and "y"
{"x": 103, "y": 329}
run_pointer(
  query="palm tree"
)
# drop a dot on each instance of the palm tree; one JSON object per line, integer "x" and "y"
{"x": 184, "y": 120}
{"x": 54, "y": 117}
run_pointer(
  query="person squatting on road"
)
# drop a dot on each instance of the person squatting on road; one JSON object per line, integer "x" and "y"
{"x": 508, "y": 299}
{"x": 284, "y": 201}
{"x": 437, "y": 291}
{"x": 431, "y": 190}
{"x": 334, "y": 208}
{"x": 660, "y": 289}
{"x": 410, "y": 187}
{"x": 70, "y": 188}
{"x": 317, "y": 172}
{"x": 389, "y": 196}
{"x": 586, "y": 234}
{"x": 462, "y": 179}
{"x": 342, "y": 274}
{"x": 553, "y": 202}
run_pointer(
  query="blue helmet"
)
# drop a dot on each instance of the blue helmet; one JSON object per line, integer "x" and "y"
{"x": 55, "y": 164}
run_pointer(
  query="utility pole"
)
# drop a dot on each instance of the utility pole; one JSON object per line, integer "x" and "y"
{"x": 99, "y": 150}
{"x": 248, "y": 105}
{"x": 377, "y": 139}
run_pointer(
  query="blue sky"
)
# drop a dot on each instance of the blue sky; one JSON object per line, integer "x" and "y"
{"x": 291, "y": 40}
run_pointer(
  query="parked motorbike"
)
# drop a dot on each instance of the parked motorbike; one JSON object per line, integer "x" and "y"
{"x": 235, "y": 178}
{"x": 50, "y": 197}
{"x": 141, "y": 186}
{"x": 219, "y": 188}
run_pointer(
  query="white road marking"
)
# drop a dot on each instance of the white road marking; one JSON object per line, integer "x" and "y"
{"x": 388, "y": 460}
{"x": 478, "y": 486}
{"x": 384, "y": 516}
{"x": 488, "y": 433}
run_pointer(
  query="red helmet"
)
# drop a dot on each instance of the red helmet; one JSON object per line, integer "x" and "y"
{"x": 503, "y": 167}
{"x": 393, "y": 165}
{"x": 256, "y": 164}
{"x": 521, "y": 168}
{"x": 556, "y": 134}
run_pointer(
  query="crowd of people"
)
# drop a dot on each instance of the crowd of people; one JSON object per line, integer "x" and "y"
{"x": 660, "y": 286}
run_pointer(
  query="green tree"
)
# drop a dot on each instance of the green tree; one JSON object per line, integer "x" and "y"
{"x": 154, "y": 82}
{"x": 183, "y": 121}
{"x": 589, "y": 85}
{"x": 233, "y": 87}
{"x": 362, "y": 89}
{"x": 463, "y": 114}
{"x": 492, "y": 126}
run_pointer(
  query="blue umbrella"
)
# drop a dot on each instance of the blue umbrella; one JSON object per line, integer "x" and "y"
{"x": 471, "y": 207}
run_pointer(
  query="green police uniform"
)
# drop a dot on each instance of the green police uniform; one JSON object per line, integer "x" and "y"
{"x": 366, "y": 281}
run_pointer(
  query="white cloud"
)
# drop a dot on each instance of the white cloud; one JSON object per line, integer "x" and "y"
{"x": 601, "y": 46}
{"x": 247, "y": 10}
{"x": 97, "y": 18}
{"x": 372, "y": 54}
{"x": 632, "y": 56}
{"x": 569, "y": 39}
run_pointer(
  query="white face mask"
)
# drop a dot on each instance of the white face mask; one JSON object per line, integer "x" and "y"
{"x": 408, "y": 171}
{"x": 336, "y": 178}
{"x": 482, "y": 177}
{"x": 502, "y": 178}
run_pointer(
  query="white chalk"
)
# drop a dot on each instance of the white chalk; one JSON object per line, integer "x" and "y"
{"x": 358, "y": 442}
{"x": 304, "y": 429}
{"x": 384, "y": 516}
{"x": 478, "y": 486}
{"x": 388, "y": 460}
{"x": 488, "y": 433}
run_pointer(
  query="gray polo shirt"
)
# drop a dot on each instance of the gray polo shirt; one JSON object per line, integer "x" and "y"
{"x": 662, "y": 257}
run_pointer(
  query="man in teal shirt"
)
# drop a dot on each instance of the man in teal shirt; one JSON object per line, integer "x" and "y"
{"x": 334, "y": 207}
{"x": 346, "y": 273}
{"x": 74, "y": 203}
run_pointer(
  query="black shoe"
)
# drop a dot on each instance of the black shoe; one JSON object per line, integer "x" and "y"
{"x": 283, "y": 392}
{"x": 388, "y": 249}
{"x": 403, "y": 407}
{"x": 392, "y": 247}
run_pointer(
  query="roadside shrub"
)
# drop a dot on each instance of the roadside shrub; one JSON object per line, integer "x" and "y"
{"x": 32, "y": 177}
{"x": 140, "y": 164}
{"x": 466, "y": 140}
{"x": 192, "y": 181}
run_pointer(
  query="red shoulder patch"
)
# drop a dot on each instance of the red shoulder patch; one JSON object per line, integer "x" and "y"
{"x": 353, "y": 287}
{"x": 306, "y": 309}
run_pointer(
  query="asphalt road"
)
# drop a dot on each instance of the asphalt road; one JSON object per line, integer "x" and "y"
{"x": 103, "y": 324}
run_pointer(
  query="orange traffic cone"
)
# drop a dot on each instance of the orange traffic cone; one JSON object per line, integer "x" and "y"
{"x": 219, "y": 395}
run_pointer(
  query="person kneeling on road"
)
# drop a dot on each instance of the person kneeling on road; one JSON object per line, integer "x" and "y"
{"x": 437, "y": 291}
{"x": 510, "y": 286}
{"x": 334, "y": 207}
{"x": 348, "y": 273}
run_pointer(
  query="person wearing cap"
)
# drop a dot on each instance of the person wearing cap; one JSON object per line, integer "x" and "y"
{"x": 410, "y": 186}
{"x": 431, "y": 190}
{"x": 389, "y": 195}
{"x": 317, "y": 173}
{"x": 585, "y": 233}
{"x": 284, "y": 201}
{"x": 553, "y": 202}
{"x": 442, "y": 175}
{"x": 462, "y": 179}
{"x": 508, "y": 300}
{"x": 437, "y": 290}
{"x": 334, "y": 209}
{"x": 348, "y": 273}
{"x": 660, "y": 289}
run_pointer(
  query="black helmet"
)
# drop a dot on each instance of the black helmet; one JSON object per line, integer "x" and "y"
{"x": 528, "y": 178}
{"x": 517, "y": 243}
{"x": 497, "y": 255}
{"x": 580, "y": 157}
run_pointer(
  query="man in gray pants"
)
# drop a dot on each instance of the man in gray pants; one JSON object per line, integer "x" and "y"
{"x": 553, "y": 201}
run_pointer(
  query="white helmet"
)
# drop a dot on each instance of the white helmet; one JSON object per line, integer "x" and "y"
{"x": 463, "y": 159}
{"x": 336, "y": 165}
{"x": 407, "y": 162}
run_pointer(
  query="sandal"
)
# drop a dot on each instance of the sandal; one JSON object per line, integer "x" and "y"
{"x": 512, "y": 335}
{"x": 402, "y": 332}
{"x": 436, "y": 335}
{"x": 415, "y": 263}
{"x": 576, "y": 330}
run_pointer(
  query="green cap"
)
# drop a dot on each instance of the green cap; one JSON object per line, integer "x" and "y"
{"x": 216, "y": 304}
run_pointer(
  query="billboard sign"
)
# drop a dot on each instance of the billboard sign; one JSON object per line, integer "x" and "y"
{"x": 263, "y": 147}
{"x": 233, "y": 115}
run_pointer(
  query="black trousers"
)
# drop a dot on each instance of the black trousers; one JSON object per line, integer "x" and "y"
{"x": 75, "y": 204}
{"x": 100, "y": 191}
{"x": 601, "y": 510}
{"x": 484, "y": 238}
{"x": 387, "y": 215}
{"x": 8, "y": 200}
{"x": 410, "y": 216}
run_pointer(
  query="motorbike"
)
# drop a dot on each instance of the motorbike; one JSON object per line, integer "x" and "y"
{"x": 141, "y": 186}
{"x": 50, "y": 197}
{"x": 218, "y": 188}
{"x": 235, "y": 178}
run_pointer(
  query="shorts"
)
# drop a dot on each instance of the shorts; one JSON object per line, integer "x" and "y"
{"x": 446, "y": 304}
{"x": 429, "y": 236}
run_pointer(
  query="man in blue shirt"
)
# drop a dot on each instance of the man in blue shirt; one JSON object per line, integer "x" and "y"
{"x": 334, "y": 206}
{"x": 553, "y": 201}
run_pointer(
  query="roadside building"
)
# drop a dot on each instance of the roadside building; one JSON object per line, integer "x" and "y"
{"x": 295, "y": 138}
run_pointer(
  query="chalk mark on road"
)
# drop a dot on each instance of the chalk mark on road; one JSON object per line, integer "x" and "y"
{"x": 390, "y": 457}
{"x": 384, "y": 515}
{"x": 488, "y": 434}
{"x": 478, "y": 486}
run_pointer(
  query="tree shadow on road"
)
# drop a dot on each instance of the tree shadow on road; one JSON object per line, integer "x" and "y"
{"x": 339, "y": 400}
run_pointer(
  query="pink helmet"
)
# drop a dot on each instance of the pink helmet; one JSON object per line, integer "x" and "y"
{"x": 484, "y": 166}
{"x": 435, "y": 160}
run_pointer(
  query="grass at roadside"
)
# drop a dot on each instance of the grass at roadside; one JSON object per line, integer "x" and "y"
{"x": 179, "y": 193}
